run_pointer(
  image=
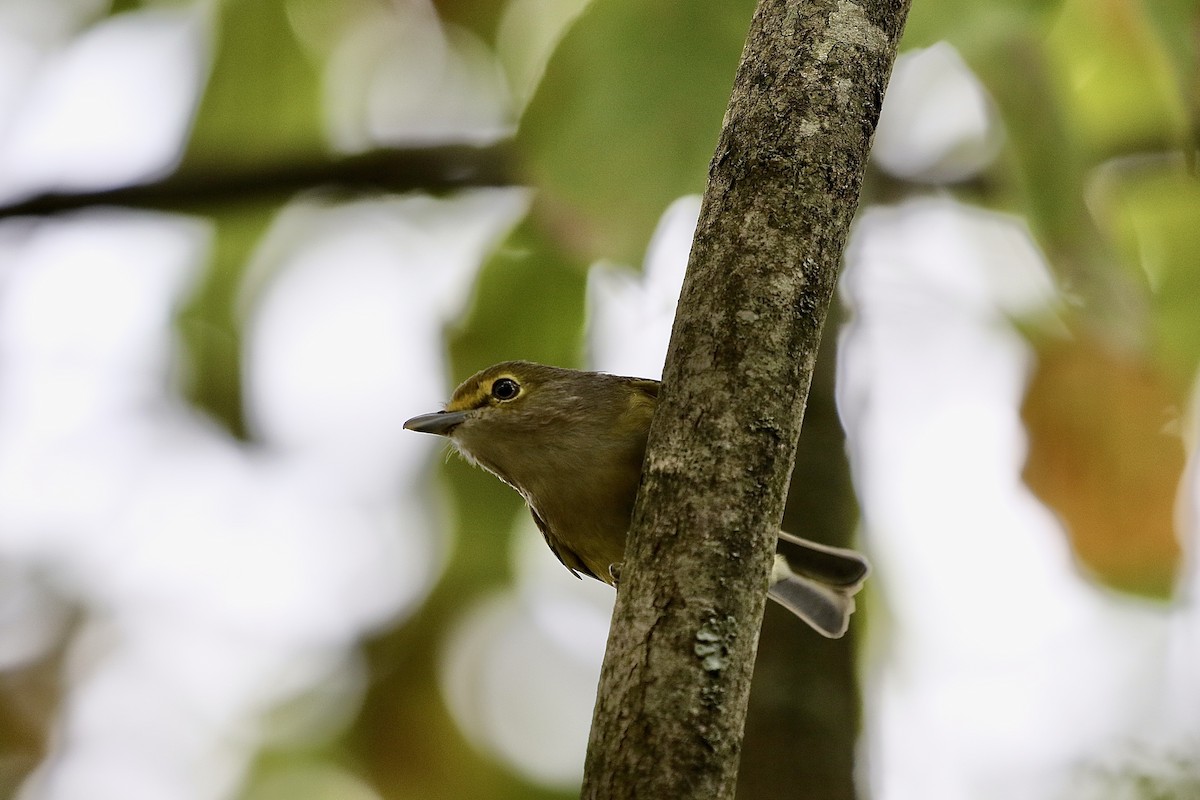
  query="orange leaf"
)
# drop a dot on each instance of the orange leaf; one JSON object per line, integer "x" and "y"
{"x": 1104, "y": 456}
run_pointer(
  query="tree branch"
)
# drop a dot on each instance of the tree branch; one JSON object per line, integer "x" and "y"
{"x": 430, "y": 169}
{"x": 783, "y": 188}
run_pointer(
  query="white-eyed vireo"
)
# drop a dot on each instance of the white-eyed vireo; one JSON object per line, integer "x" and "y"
{"x": 572, "y": 443}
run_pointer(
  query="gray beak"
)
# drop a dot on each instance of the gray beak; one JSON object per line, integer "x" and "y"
{"x": 439, "y": 422}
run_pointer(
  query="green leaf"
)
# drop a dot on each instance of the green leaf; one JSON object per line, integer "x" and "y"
{"x": 627, "y": 117}
{"x": 972, "y": 26}
{"x": 211, "y": 336}
{"x": 1155, "y": 216}
{"x": 1115, "y": 78}
{"x": 261, "y": 109}
{"x": 528, "y": 305}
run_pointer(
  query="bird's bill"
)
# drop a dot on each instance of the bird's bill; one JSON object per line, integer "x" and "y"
{"x": 439, "y": 422}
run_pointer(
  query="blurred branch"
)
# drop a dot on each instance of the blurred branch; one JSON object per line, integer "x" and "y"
{"x": 430, "y": 169}
{"x": 783, "y": 188}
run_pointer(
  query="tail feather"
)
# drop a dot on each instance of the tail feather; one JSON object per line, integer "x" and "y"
{"x": 835, "y": 566}
{"x": 826, "y": 608}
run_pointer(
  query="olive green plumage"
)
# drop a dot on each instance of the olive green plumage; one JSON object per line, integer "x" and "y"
{"x": 572, "y": 443}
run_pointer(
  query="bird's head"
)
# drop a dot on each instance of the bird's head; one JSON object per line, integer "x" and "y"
{"x": 511, "y": 413}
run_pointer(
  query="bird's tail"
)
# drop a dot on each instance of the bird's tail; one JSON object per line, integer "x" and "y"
{"x": 818, "y": 584}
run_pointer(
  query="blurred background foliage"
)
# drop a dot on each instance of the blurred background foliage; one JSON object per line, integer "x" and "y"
{"x": 609, "y": 111}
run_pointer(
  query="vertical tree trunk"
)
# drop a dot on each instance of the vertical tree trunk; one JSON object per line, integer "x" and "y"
{"x": 783, "y": 188}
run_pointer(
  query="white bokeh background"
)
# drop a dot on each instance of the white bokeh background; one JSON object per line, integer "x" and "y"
{"x": 214, "y": 580}
{"x": 1001, "y": 670}
{"x": 86, "y": 107}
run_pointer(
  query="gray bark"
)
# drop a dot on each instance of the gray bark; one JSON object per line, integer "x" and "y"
{"x": 783, "y": 188}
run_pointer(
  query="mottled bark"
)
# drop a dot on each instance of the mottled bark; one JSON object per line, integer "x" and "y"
{"x": 783, "y": 188}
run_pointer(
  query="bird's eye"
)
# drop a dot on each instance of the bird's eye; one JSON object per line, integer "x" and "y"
{"x": 505, "y": 389}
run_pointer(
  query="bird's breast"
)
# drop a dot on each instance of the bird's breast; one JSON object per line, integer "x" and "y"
{"x": 587, "y": 510}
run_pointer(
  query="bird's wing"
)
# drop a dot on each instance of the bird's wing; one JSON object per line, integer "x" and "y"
{"x": 645, "y": 386}
{"x": 564, "y": 554}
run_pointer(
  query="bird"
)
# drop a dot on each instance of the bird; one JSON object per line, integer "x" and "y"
{"x": 572, "y": 444}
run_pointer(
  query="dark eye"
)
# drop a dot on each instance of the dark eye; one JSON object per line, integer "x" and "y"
{"x": 505, "y": 389}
